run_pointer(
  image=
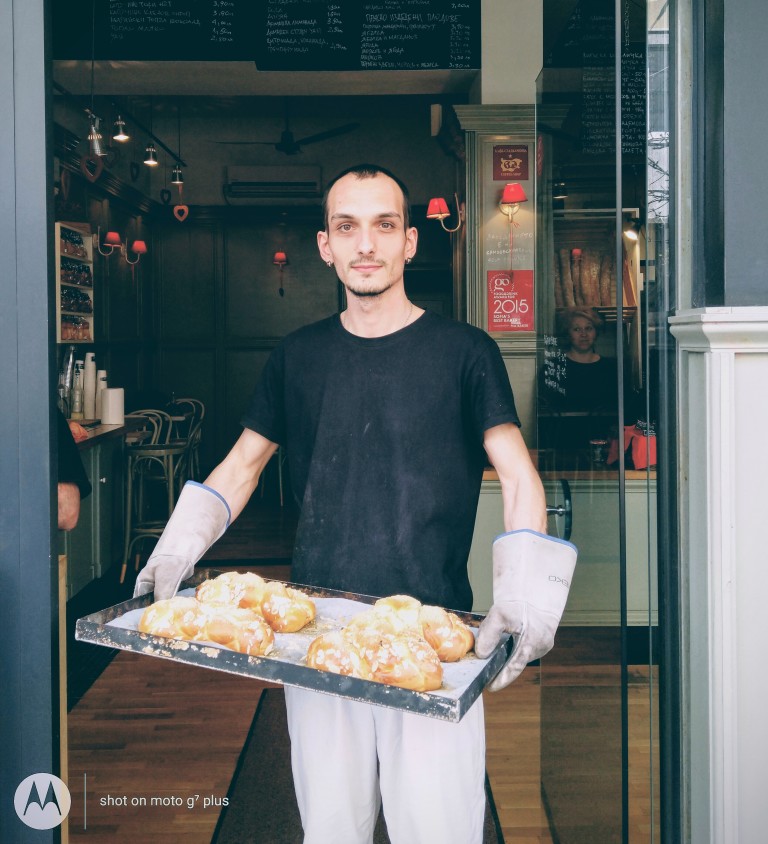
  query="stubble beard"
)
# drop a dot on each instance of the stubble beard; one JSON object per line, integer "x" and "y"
{"x": 361, "y": 290}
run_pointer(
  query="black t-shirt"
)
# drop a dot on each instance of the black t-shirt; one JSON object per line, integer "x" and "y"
{"x": 384, "y": 438}
{"x": 70, "y": 468}
{"x": 583, "y": 387}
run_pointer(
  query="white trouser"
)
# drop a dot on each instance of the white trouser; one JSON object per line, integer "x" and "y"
{"x": 349, "y": 757}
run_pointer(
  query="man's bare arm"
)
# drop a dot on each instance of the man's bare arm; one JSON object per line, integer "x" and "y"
{"x": 69, "y": 505}
{"x": 237, "y": 476}
{"x": 521, "y": 489}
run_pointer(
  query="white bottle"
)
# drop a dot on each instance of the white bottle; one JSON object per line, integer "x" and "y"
{"x": 89, "y": 386}
{"x": 101, "y": 385}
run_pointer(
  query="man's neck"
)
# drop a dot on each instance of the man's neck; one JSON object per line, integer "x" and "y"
{"x": 378, "y": 316}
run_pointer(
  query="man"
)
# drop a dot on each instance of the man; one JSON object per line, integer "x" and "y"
{"x": 387, "y": 413}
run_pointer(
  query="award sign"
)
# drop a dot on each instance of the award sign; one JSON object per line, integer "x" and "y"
{"x": 510, "y": 300}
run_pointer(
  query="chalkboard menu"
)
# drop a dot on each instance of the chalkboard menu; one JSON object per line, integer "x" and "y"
{"x": 359, "y": 35}
{"x": 276, "y": 34}
{"x": 588, "y": 41}
{"x": 154, "y": 30}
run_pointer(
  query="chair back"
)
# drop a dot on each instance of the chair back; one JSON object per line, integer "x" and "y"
{"x": 161, "y": 422}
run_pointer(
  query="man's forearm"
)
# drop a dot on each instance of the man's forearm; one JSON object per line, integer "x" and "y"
{"x": 237, "y": 476}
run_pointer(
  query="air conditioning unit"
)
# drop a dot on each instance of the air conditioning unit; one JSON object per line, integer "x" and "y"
{"x": 272, "y": 182}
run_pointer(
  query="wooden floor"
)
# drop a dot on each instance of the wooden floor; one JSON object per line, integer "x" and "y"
{"x": 153, "y": 744}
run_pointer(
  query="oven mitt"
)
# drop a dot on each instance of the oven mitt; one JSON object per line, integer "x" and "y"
{"x": 532, "y": 575}
{"x": 199, "y": 518}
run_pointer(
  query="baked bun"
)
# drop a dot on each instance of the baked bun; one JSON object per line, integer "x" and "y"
{"x": 232, "y": 588}
{"x": 171, "y": 617}
{"x": 446, "y": 632}
{"x": 407, "y": 661}
{"x": 285, "y": 609}
{"x": 404, "y": 606}
{"x": 336, "y": 652}
{"x": 236, "y": 628}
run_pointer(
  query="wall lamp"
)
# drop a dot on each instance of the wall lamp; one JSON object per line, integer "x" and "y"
{"x": 112, "y": 241}
{"x": 632, "y": 228}
{"x": 280, "y": 259}
{"x": 438, "y": 210}
{"x": 511, "y": 197}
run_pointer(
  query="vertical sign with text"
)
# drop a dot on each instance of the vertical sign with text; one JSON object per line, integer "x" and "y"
{"x": 510, "y": 300}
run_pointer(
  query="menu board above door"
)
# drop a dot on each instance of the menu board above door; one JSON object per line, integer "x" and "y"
{"x": 293, "y": 35}
{"x": 155, "y": 30}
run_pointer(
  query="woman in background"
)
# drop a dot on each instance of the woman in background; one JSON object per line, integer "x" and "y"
{"x": 578, "y": 387}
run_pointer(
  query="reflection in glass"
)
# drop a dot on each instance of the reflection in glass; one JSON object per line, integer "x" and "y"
{"x": 596, "y": 410}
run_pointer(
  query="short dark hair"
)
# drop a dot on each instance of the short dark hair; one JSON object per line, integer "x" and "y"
{"x": 368, "y": 171}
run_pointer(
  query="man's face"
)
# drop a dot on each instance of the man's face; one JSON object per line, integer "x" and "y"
{"x": 366, "y": 238}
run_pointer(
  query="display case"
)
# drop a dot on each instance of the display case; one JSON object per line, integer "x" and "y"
{"x": 584, "y": 269}
{"x": 74, "y": 283}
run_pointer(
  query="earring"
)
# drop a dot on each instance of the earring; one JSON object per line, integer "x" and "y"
{"x": 408, "y": 260}
{"x": 330, "y": 263}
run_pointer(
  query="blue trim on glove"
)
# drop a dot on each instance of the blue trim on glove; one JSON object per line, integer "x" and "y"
{"x": 536, "y": 533}
{"x": 217, "y": 494}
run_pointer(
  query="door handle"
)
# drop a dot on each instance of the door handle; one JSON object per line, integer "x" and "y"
{"x": 562, "y": 510}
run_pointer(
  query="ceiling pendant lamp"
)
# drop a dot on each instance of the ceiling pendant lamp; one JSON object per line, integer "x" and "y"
{"x": 150, "y": 155}
{"x": 120, "y": 134}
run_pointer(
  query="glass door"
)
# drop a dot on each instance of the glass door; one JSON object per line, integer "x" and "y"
{"x": 596, "y": 427}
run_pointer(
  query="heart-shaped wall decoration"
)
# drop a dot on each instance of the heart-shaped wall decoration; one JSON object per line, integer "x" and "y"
{"x": 165, "y": 196}
{"x": 181, "y": 212}
{"x": 91, "y": 166}
{"x": 133, "y": 169}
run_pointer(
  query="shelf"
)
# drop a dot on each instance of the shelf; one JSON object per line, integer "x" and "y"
{"x": 74, "y": 256}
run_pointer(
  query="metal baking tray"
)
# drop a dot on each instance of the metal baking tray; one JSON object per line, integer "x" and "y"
{"x": 463, "y": 681}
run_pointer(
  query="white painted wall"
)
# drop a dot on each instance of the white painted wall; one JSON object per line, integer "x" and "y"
{"x": 723, "y": 367}
{"x": 512, "y": 47}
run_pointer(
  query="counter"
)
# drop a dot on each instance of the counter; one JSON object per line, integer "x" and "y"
{"x": 96, "y": 544}
{"x": 595, "y": 592}
{"x": 101, "y": 433}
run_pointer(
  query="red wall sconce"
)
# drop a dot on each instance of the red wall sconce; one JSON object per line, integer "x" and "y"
{"x": 438, "y": 210}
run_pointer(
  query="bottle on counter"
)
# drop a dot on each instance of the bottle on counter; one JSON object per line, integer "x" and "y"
{"x": 101, "y": 385}
{"x": 76, "y": 404}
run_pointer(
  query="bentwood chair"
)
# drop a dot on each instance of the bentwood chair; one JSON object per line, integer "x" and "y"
{"x": 161, "y": 463}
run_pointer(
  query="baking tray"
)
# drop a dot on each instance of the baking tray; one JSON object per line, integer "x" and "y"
{"x": 463, "y": 681}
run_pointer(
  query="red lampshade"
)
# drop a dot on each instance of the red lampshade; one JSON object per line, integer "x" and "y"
{"x": 280, "y": 258}
{"x": 437, "y": 209}
{"x": 513, "y": 193}
{"x": 112, "y": 239}
{"x": 139, "y": 247}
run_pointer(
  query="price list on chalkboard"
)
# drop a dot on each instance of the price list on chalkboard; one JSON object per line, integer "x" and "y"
{"x": 154, "y": 30}
{"x": 378, "y": 35}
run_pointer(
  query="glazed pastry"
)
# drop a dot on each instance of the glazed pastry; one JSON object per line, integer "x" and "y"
{"x": 236, "y": 628}
{"x": 337, "y": 652}
{"x": 446, "y": 632}
{"x": 285, "y": 609}
{"x": 233, "y": 588}
{"x": 407, "y": 661}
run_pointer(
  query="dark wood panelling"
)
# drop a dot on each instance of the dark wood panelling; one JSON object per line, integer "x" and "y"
{"x": 191, "y": 373}
{"x": 187, "y": 293}
{"x": 254, "y": 307}
{"x": 243, "y": 367}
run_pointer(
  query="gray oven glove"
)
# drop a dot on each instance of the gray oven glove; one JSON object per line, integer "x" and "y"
{"x": 532, "y": 575}
{"x": 199, "y": 518}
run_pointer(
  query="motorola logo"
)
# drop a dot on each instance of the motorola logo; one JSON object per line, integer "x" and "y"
{"x": 42, "y": 801}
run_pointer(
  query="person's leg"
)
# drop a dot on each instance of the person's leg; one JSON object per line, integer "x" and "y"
{"x": 432, "y": 776}
{"x": 333, "y": 756}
